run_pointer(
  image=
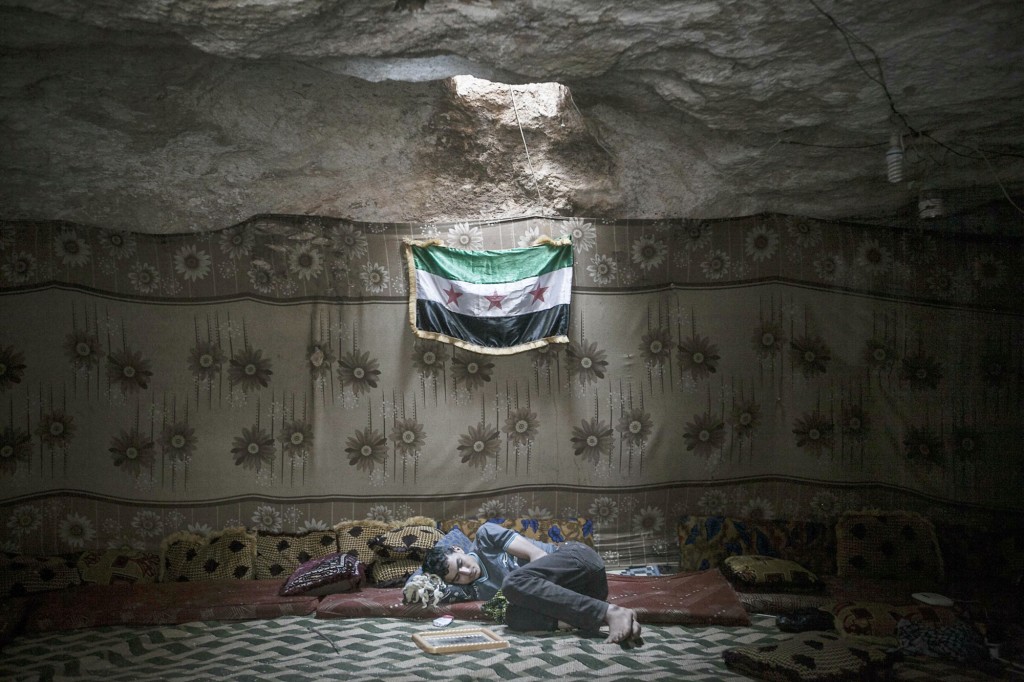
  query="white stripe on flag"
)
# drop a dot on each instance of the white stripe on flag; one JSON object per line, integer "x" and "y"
{"x": 529, "y": 295}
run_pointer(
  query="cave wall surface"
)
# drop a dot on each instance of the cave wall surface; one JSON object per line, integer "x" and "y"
{"x": 164, "y": 117}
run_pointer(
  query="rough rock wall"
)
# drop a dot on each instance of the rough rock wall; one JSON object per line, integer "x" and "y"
{"x": 174, "y": 116}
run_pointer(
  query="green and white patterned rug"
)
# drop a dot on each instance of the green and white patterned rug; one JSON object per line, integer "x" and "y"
{"x": 363, "y": 649}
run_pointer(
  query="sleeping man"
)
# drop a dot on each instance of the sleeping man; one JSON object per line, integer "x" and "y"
{"x": 543, "y": 584}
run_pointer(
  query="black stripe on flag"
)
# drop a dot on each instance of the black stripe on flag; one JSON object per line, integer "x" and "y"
{"x": 492, "y": 332}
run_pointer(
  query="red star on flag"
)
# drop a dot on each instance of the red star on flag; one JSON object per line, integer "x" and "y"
{"x": 453, "y": 295}
{"x": 538, "y": 294}
{"x": 495, "y": 300}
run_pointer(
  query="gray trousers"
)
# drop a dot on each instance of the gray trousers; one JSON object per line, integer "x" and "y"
{"x": 568, "y": 584}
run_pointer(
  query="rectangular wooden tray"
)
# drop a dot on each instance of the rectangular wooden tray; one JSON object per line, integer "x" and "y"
{"x": 455, "y": 641}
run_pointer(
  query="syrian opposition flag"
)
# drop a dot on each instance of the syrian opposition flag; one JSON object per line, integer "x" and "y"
{"x": 494, "y": 302}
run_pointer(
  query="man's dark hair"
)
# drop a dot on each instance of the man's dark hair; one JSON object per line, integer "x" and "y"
{"x": 436, "y": 561}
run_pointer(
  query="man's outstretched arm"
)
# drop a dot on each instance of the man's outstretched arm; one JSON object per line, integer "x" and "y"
{"x": 521, "y": 548}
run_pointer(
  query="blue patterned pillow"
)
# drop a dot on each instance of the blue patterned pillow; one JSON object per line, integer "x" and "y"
{"x": 330, "y": 574}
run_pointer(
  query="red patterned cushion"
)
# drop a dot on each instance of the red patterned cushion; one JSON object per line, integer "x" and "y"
{"x": 333, "y": 573}
{"x": 697, "y": 598}
{"x": 386, "y": 602}
{"x": 701, "y": 598}
{"x": 13, "y": 612}
{"x": 164, "y": 604}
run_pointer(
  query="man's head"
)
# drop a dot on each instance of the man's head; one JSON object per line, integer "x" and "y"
{"x": 452, "y": 564}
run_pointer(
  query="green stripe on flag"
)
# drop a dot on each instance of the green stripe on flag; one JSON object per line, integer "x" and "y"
{"x": 492, "y": 267}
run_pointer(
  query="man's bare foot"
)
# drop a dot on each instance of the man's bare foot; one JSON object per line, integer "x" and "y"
{"x": 622, "y": 624}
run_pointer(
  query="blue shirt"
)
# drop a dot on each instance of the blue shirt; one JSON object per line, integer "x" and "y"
{"x": 490, "y": 548}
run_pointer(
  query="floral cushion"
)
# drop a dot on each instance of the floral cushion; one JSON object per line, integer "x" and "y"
{"x": 541, "y": 530}
{"x": 279, "y": 554}
{"x": 229, "y": 554}
{"x": 756, "y": 573}
{"x": 393, "y": 572}
{"x": 21, "y": 575}
{"x": 330, "y": 574}
{"x": 118, "y": 566}
{"x": 811, "y": 657}
{"x": 896, "y": 544}
{"x": 354, "y": 538}
{"x": 878, "y": 621}
{"x": 407, "y": 542}
{"x": 705, "y": 542}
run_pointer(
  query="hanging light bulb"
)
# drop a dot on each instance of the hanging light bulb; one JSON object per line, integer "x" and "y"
{"x": 894, "y": 159}
{"x": 929, "y": 204}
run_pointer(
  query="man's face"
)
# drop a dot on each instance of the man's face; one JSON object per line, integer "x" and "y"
{"x": 462, "y": 568}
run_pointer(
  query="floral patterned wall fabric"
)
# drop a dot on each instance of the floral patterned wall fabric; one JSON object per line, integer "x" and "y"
{"x": 266, "y": 375}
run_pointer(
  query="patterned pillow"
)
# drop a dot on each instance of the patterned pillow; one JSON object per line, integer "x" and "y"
{"x": 887, "y": 545}
{"x": 20, "y": 575}
{"x": 812, "y": 544}
{"x": 452, "y": 593}
{"x": 278, "y": 554}
{"x": 393, "y": 572}
{"x": 811, "y": 657}
{"x": 959, "y": 641}
{"x": 118, "y": 566}
{"x": 542, "y": 530}
{"x": 705, "y": 542}
{"x": 878, "y": 621}
{"x": 756, "y": 573}
{"x": 330, "y": 574}
{"x": 354, "y": 538}
{"x": 229, "y": 554}
{"x": 407, "y": 542}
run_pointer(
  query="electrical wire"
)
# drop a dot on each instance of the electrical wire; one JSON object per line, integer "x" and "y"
{"x": 834, "y": 146}
{"x": 996, "y": 178}
{"x": 536, "y": 185}
{"x": 584, "y": 119}
{"x": 850, "y": 38}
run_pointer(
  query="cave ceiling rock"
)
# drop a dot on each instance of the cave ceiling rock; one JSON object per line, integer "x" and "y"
{"x": 172, "y": 115}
